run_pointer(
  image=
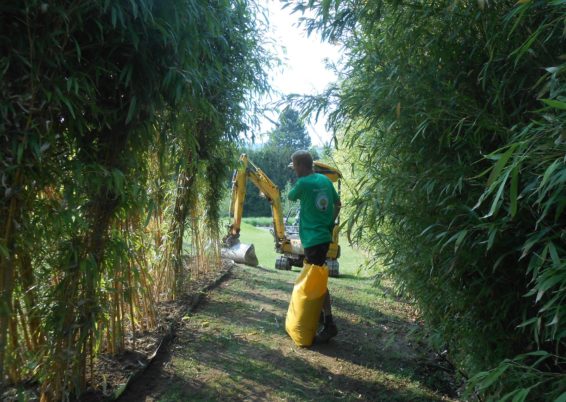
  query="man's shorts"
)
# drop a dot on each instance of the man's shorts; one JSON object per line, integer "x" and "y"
{"x": 317, "y": 254}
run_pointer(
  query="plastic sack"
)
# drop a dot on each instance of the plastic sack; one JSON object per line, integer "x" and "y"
{"x": 306, "y": 303}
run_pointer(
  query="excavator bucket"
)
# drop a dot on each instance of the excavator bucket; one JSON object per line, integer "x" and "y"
{"x": 241, "y": 253}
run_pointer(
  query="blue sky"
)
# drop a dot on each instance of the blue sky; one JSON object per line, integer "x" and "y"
{"x": 303, "y": 70}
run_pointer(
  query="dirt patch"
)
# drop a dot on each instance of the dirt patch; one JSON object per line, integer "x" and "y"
{"x": 112, "y": 374}
{"x": 234, "y": 347}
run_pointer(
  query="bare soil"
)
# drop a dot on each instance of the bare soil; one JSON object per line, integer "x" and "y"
{"x": 111, "y": 374}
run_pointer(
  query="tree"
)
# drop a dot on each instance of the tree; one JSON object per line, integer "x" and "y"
{"x": 290, "y": 132}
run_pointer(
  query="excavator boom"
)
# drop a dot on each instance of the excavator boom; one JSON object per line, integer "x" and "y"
{"x": 232, "y": 248}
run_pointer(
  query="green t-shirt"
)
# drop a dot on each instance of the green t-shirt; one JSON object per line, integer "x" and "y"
{"x": 318, "y": 196}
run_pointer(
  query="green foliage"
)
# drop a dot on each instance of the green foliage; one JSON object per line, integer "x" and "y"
{"x": 263, "y": 221}
{"x": 290, "y": 132}
{"x": 455, "y": 112}
{"x": 113, "y": 116}
{"x": 522, "y": 375}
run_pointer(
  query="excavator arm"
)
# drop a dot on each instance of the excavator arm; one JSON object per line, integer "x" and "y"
{"x": 247, "y": 170}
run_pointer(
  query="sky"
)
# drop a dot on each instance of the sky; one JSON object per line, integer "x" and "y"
{"x": 303, "y": 70}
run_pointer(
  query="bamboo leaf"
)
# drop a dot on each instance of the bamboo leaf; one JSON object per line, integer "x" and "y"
{"x": 20, "y": 153}
{"x": 4, "y": 251}
{"x": 555, "y": 104}
{"x": 513, "y": 191}
{"x": 554, "y": 255}
{"x": 131, "y": 109}
{"x": 491, "y": 238}
{"x": 549, "y": 282}
{"x": 496, "y": 200}
{"x": 528, "y": 322}
{"x": 521, "y": 395}
{"x": 549, "y": 171}
{"x": 492, "y": 376}
{"x": 460, "y": 239}
{"x": 114, "y": 16}
{"x": 498, "y": 168}
{"x": 69, "y": 106}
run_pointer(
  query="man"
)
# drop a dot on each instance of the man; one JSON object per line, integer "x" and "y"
{"x": 320, "y": 205}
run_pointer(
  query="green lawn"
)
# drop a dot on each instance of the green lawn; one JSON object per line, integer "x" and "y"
{"x": 352, "y": 260}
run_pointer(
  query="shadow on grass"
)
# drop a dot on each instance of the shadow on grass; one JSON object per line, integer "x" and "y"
{"x": 354, "y": 277}
{"x": 262, "y": 268}
{"x": 369, "y": 284}
{"x": 258, "y": 299}
{"x": 368, "y": 337}
{"x": 246, "y": 313}
{"x": 243, "y": 353}
{"x": 374, "y": 337}
{"x": 214, "y": 369}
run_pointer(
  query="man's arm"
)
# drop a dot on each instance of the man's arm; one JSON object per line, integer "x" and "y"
{"x": 294, "y": 193}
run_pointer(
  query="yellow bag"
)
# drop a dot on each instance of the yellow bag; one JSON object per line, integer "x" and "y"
{"x": 306, "y": 303}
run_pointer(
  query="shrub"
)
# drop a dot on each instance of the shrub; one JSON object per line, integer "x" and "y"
{"x": 456, "y": 113}
{"x": 114, "y": 114}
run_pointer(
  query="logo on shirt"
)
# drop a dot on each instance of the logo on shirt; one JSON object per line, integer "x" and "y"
{"x": 322, "y": 202}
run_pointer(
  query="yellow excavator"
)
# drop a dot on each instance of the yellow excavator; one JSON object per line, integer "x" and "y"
{"x": 287, "y": 243}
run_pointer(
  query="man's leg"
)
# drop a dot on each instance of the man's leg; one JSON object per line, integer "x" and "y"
{"x": 326, "y": 307}
{"x": 329, "y": 330}
{"x": 326, "y": 313}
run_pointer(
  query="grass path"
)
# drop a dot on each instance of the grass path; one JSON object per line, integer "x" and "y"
{"x": 234, "y": 347}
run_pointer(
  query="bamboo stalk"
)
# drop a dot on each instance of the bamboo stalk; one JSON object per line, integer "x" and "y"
{"x": 23, "y": 323}
{"x": 14, "y": 369}
{"x": 91, "y": 356}
{"x": 27, "y": 281}
{"x": 131, "y": 305}
{"x": 6, "y": 276}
